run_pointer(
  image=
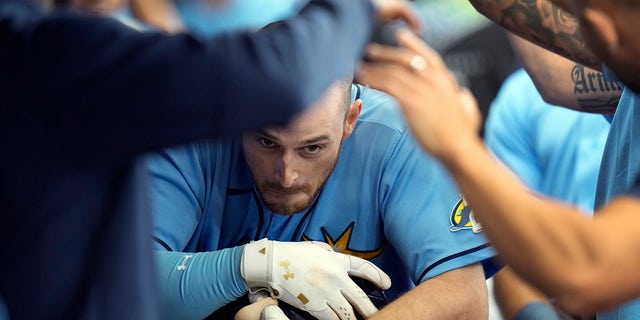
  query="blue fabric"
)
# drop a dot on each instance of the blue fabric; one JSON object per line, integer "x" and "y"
{"x": 386, "y": 201}
{"x": 190, "y": 281}
{"x": 621, "y": 160}
{"x": 537, "y": 311}
{"x": 205, "y": 19}
{"x": 619, "y": 174}
{"x": 3, "y": 311}
{"x": 82, "y": 97}
{"x": 555, "y": 151}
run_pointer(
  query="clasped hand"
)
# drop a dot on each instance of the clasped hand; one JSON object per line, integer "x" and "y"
{"x": 312, "y": 277}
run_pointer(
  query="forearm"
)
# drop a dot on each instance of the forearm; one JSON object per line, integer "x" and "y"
{"x": 457, "y": 294}
{"x": 512, "y": 219}
{"x": 137, "y": 91}
{"x": 193, "y": 285}
{"x": 541, "y": 22}
{"x": 562, "y": 82}
{"x": 512, "y": 293}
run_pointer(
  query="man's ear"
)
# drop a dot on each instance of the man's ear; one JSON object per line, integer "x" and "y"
{"x": 602, "y": 26}
{"x": 352, "y": 118}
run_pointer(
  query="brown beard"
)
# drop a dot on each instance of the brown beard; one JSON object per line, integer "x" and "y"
{"x": 289, "y": 209}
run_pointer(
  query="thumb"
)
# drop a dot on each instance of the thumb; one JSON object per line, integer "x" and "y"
{"x": 471, "y": 109}
{"x": 366, "y": 270}
{"x": 254, "y": 310}
{"x": 273, "y": 312}
{"x": 322, "y": 245}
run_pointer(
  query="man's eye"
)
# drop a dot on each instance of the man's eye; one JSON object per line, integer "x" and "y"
{"x": 314, "y": 149}
{"x": 266, "y": 142}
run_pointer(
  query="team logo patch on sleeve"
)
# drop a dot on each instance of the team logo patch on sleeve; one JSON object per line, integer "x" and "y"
{"x": 462, "y": 218}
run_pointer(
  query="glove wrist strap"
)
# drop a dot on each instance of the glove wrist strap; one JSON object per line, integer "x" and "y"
{"x": 256, "y": 263}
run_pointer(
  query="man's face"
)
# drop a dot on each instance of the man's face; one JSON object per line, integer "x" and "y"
{"x": 291, "y": 164}
{"x": 623, "y": 60}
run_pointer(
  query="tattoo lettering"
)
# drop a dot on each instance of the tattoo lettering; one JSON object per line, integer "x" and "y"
{"x": 593, "y": 92}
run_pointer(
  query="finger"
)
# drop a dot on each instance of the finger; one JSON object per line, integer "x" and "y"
{"x": 339, "y": 308}
{"x": 258, "y": 295}
{"x": 324, "y": 314}
{"x": 470, "y": 106}
{"x": 322, "y": 245}
{"x": 359, "y": 300}
{"x": 254, "y": 310}
{"x": 387, "y": 54}
{"x": 342, "y": 308}
{"x": 392, "y": 79}
{"x": 366, "y": 270}
{"x": 273, "y": 312}
{"x": 403, "y": 11}
{"x": 415, "y": 45}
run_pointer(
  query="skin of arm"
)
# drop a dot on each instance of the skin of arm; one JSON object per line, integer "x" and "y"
{"x": 568, "y": 256}
{"x": 159, "y": 13}
{"x": 457, "y": 294}
{"x": 511, "y": 293}
{"x": 541, "y": 22}
{"x": 563, "y": 82}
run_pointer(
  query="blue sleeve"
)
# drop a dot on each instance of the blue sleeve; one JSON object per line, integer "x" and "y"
{"x": 177, "y": 196}
{"x": 103, "y": 90}
{"x": 194, "y": 285}
{"x": 508, "y": 130}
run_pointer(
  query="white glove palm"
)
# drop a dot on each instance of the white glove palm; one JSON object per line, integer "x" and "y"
{"x": 312, "y": 277}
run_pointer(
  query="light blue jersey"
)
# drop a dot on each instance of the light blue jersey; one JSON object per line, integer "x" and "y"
{"x": 386, "y": 201}
{"x": 619, "y": 171}
{"x": 203, "y": 18}
{"x": 555, "y": 151}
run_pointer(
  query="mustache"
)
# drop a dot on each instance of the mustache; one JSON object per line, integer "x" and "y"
{"x": 276, "y": 187}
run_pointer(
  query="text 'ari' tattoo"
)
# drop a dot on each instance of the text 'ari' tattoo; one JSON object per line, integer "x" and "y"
{"x": 593, "y": 92}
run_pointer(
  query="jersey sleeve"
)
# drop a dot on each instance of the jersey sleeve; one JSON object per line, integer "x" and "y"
{"x": 423, "y": 217}
{"x": 177, "y": 195}
{"x": 120, "y": 92}
{"x": 509, "y": 130}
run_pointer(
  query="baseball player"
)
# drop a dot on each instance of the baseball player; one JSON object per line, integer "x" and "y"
{"x": 248, "y": 213}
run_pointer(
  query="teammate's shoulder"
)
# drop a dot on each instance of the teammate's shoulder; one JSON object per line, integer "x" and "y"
{"x": 381, "y": 109}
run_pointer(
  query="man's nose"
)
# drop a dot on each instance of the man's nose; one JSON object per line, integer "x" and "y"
{"x": 287, "y": 173}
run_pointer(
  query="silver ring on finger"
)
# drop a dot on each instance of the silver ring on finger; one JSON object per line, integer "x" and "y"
{"x": 418, "y": 63}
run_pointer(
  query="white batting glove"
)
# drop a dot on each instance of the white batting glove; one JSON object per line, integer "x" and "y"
{"x": 262, "y": 307}
{"x": 310, "y": 276}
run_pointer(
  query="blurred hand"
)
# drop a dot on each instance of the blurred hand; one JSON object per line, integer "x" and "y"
{"x": 262, "y": 307}
{"x": 441, "y": 115}
{"x": 397, "y": 9}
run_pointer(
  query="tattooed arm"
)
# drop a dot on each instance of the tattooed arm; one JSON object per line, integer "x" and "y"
{"x": 563, "y": 82}
{"x": 541, "y": 22}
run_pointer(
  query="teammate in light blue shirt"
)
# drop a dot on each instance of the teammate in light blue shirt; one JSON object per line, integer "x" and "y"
{"x": 370, "y": 192}
{"x": 204, "y": 18}
{"x": 556, "y": 152}
{"x": 619, "y": 175}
